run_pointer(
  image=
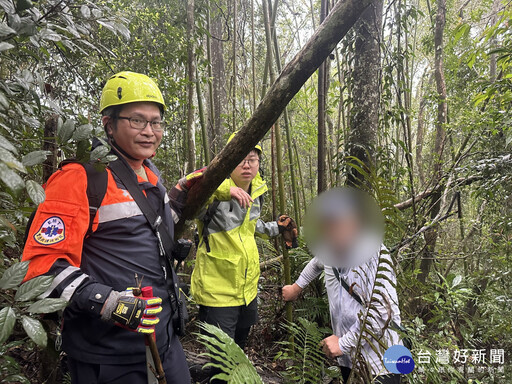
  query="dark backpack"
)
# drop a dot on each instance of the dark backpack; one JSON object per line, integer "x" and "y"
{"x": 97, "y": 180}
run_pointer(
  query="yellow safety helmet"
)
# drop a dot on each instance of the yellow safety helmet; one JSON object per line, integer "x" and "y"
{"x": 257, "y": 147}
{"x": 130, "y": 87}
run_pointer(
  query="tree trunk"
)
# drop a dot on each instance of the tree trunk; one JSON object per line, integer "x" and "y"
{"x": 341, "y": 125}
{"x": 366, "y": 89}
{"x": 292, "y": 78}
{"x": 492, "y": 62}
{"x": 273, "y": 175}
{"x": 420, "y": 131}
{"x": 211, "y": 103}
{"x": 278, "y": 156}
{"x": 427, "y": 254}
{"x": 322, "y": 95}
{"x": 218, "y": 82}
{"x": 49, "y": 144}
{"x": 253, "y": 59}
{"x": 191, "y": 76}
{"x": 404, "y": 103}
{"x": 301, "y": 178}
{"x": 233, "y": 59}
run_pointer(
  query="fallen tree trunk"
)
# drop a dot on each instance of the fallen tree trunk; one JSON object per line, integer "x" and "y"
{"x": 462, "y": 181}
{"x": 292, "y": 78}
{"x": 271, "y": 262}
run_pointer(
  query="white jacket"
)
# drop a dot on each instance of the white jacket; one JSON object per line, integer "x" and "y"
{"x": 346, "y": 312}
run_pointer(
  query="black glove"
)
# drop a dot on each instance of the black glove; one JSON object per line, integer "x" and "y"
{"x": 288, "y": 229}
{"x": 181, "y": 250}
{"x": 137, "y": 314}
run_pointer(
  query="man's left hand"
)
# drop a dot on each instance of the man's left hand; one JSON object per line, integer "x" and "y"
{"x": 331, "y": 347}
{"x": 185, "y": 183}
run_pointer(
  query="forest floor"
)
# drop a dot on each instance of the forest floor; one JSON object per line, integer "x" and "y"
{"x": 262, "y": 345}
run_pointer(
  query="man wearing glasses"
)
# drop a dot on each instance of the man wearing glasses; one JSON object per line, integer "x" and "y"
{"x": 96, "y": 256}
{"x": 226, "y": 272}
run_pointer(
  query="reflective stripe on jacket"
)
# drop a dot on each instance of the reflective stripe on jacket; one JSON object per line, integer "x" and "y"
{"x": 227, "y": 276}
{"x": 86, "y": 270}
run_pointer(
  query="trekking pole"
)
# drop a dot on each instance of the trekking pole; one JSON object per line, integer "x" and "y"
{"x": 155, "y": 371}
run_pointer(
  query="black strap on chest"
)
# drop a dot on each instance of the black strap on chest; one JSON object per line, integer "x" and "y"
{"x": 166, "y": 244}
{"x": 207, "y": 219}
{"x": 392, "y": 325}
{"x": 344, "y": 284}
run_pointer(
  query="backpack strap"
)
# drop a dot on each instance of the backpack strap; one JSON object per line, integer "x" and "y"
{"x": 207, "y": 218}
{"x": 345, "y": 286}
{"x": 392, "y": 324}
{"x": 166, "y": 243}
{"x": 97, "y": 180}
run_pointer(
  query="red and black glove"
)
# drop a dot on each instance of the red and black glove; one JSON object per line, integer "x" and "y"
{"x": 188, "y": 181}
{"x": 288, "y": 229}
{"x": 137, "y": 314}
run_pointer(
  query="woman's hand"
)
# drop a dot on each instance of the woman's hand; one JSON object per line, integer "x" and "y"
{"x": 291, "y": 292}
{"x": 331, "y": 347}
{"x": 241, "y": 196}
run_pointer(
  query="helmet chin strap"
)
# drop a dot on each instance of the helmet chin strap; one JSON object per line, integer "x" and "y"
{"x": 113, "y": 143}
{"x": 118, "y": 148}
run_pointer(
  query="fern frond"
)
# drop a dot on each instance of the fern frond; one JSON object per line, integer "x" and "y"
{"x": 227, "y": 356}
{"x": 308, "y": 360}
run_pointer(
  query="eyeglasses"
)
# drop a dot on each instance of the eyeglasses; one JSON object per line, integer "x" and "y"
{"x": 141, "y": 124}
{"x": 252, "y": 162}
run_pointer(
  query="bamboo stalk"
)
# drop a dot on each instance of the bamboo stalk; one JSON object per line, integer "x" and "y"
{"x": 287, "y": 125}
{"x": 204, "y": 133}
{"x": 211, "y": 110}
{"x": 279, "y": 162}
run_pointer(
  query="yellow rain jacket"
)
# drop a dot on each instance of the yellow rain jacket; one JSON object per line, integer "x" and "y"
{"x": 227, "y": 265}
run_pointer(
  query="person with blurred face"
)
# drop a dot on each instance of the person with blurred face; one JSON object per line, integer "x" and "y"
{"x": 226, "y": 272}
{"x": 344, "y": 232}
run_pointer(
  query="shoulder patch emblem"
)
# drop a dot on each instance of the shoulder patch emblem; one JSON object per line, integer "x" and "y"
{"x": 52, "y": 231}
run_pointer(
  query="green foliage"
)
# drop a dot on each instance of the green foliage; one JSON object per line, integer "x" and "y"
{"x": 20, "y": 303}
{"x": 34, "y": 330}
{"x": 314, "y": 306}
{"x": 7, "y": 320}
{"x": 10, "y": 368}
{"x": 13, "y": 276}
{"x": 304, "y": 359}
{"x": 54, "y": 56}
{"x": 227, "y": 356}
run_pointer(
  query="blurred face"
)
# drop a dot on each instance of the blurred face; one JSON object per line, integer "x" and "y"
{"x": 339, "y": 234}
{"x": 139, "y": 144}
{"x": 344, "y": 227}
{"x": 246, "y": 171}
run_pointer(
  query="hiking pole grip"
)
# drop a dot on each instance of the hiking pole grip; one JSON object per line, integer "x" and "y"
{"x": 150, "y": 341}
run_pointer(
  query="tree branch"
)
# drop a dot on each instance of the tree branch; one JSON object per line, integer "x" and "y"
{"x": 428, "y": 192}
{"x": 294, "y": 75}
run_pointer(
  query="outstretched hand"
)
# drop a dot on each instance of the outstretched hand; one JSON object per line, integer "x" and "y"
{"x": 241, "y": 196}
{"x": 187, "y": 182}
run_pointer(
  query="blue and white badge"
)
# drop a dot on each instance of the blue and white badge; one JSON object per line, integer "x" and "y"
{"x": 398, "y": 359}
{"x": 52, "y": 231}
